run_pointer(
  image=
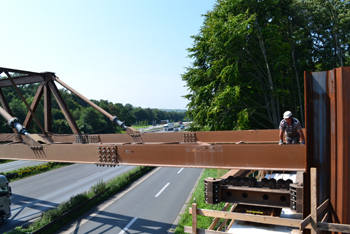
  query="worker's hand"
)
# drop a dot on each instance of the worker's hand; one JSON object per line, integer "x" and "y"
{"x": 302, "y": 143}
{"x": 280, "y": 142}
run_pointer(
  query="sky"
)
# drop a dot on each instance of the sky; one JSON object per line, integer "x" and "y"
{"x": 122, "y": 51}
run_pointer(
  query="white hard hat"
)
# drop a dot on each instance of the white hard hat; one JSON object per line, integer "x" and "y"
{"x": 287, "y": 115}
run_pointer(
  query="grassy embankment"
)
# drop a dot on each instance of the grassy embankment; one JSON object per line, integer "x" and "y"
{"x": 5, "y": 161}
{"x": 114, "y": 185}
{"x": 33, "y": 170}
{"x": 202, "y": 222}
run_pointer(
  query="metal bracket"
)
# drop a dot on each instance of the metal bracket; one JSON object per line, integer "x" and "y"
{"x": 32, "y": 143}
{"x": 94, "y": 138}
{"x": 189, "y": 137}
{"x": 136, "y": 137}
{"x": 81, "y": 139}
{"x": 106, "y": 156}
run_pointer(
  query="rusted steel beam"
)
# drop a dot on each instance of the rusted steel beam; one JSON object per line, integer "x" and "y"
{"x": 332, "y": 91}
{"x": 47, "y": 109}
{"x": 22, "y": 80}
{"x": 224, "y": 137}
{"x": 19, "y": 71}
{"x": 34, "y": 105}
{"x": 24, "y": 101}
{"x": 318, "y": 132}
{"x": 328, "y": 129}
{"x": 317, "y": 116}
{"x": 105, "y": 113}
{"x": 343, "y": 143}
{"x": 73, "y": 125}
{"x": 270, "y": 157}
{"x": 227, "y": 137}
{"x": 114, "y": 119}
{"x": 257, "y": 196}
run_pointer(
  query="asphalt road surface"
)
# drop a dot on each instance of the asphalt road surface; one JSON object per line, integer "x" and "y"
{"x": 33, "y": 195}
{"x": 150, "y": 207}
{"x": 10, "y": 166}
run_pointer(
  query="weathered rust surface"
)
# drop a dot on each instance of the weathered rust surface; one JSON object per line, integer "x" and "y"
{"x": 226, "y": 137}
{"x": 22, "y": 80}
{"x": 63, "y": 106}
{"x": 327, "y": 97}
{"x": 33, "y": 106}
{"x": 271, "y": 157}
{"x": 343, "y": 141}
{"x": 318, "y": 137}
{"x": 257, "y": 196}
{"x": 24, "y": 101}
{"x": 47, "y": 109}
{"x": 333, "y": 140}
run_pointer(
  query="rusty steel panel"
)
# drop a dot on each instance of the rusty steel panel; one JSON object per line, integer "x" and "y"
{"x": 317, "y": 120}
{"x": 331, "y": 108}
{"x": 317, "y": 116}
{"x": 333, "y": 141}
{"x": 343, "y": 141}
{"x": 270, "y": 157}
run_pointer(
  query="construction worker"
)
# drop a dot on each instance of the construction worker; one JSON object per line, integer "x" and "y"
{"x": 293, "y": 129}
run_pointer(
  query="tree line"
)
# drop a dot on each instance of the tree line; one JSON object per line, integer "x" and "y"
{"x": 249, "y": 57}
{"x": 89, "y": 120}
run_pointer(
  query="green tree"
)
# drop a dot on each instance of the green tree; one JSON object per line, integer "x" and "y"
{"x": 249, "y": 58}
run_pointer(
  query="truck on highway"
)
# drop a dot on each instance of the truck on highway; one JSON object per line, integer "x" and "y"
{"x": 5, "y": 198}
{"x": 168, "y": 126}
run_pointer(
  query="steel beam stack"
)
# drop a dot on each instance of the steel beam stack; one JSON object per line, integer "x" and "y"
{"x": 327, "y": 104}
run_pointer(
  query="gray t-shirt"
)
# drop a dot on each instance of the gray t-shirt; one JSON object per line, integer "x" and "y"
{"x": 290, "y": 130}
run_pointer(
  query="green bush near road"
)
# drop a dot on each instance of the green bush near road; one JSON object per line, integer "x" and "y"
{"x": 5, "y": 161}
{"x": 114, "y": 185}
{"x": 33, "y": 170}
{"x": 202, "y": 222}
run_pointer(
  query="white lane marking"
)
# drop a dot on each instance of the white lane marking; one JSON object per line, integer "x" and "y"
{"x": 88, "y": 176}
{"x": 162, "y": 189}
{"x": 127, "y": 226}
{"x": 108, "y": 203}
{"x": 180, "y": 171}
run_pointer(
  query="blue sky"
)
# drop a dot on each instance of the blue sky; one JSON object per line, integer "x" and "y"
{"x": 121, "y": 51}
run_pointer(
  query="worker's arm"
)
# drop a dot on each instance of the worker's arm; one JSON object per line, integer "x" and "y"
{"x": 302, "y": 136}
{"x": 281, "y": 137}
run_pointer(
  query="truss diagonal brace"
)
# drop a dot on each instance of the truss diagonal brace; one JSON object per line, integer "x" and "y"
{"x": 64, "y": 107}
{"x": 24, "y": 100}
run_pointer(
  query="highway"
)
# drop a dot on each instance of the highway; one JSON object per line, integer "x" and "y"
{"x": 10, "y": 166}
{"x": 150, "y": 207}
{"x": 38, "y": 193}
